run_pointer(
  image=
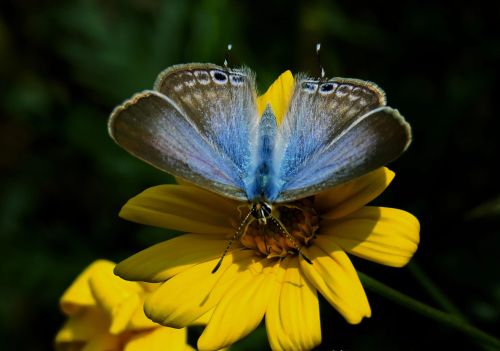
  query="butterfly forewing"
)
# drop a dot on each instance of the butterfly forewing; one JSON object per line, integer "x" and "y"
{"x": 151, "y": 127}
{"x": 335, "y": 131}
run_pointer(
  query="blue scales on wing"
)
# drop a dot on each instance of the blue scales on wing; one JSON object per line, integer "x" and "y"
{"x": 197, "y": 124}
{"x": 333, "y": 132}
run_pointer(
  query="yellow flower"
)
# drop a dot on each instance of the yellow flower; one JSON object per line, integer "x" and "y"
{"x": 106, "y": 313}
{"x": 262, "y": 276}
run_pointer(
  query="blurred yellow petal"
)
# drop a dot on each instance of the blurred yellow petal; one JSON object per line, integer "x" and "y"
{"x": 78, "y": 295}
{"x": 162, "y": 261}
{"x": 104, "y": 342}
{"x": 138, "y": 320}
{"x": 117, "y": 297}
{"x": 347, "y": 198}
{"x": 278, "y": 96}
{"x": 384, "y": 235}
{"x": 292, "y": 316}
{"x": 242, "y": 307}
{"x": 159, "y": 339}
{"x": 336, "y": 279}
{"x": 187, "y": 296}
{"x": 82, "y": 327}
{"x": 184, "y": 208}
{"x": 116, "y": 320}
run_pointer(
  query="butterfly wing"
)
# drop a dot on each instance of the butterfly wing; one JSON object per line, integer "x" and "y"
{"x": 197, "y": 124}
{"x": 333, "y": 132}
{"x": 220, "y": 102}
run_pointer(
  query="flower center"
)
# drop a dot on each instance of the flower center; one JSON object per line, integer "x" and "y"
{"x": 298, "y": 218}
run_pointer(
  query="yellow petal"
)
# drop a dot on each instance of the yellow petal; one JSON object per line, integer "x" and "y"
{"x": 347, "y": 198}
{"x": 384, "y": 235}
{"x": 335, "y": 277}
{"x": 186, "y": 297}
{"x": 184, "y": 208}
{"x": 159, "y": 339}
{"x": 84, "y": 326}
{"x": 149, "y": 287}
{"x": 78, "y": 295}
{"x": 242, "y": 307}
{"x": 204, "y": 319}
{"x": 278, "y": 96}
{"x": 292, "y": 317}
{"x": 120, "y": 299}
{"x": 161, "y": 261}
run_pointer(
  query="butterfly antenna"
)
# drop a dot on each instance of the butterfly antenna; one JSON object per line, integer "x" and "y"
{"x": 226, "y": 58}
{"x": 291, "y": 238}
{"x": 236, "y": 235}
{"x": 322, "y": 70}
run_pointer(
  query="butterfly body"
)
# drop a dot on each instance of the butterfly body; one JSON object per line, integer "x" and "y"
{"x": 261, "y": 183}
{"x": 201, "y": 123}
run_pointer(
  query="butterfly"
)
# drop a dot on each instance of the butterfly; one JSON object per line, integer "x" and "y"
{"x": 201, "y": 123}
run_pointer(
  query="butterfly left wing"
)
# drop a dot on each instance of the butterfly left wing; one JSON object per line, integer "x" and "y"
{"x": 152, "y": 128}
{"x": 333, "y": 132}
{"x": 197, "y": 125}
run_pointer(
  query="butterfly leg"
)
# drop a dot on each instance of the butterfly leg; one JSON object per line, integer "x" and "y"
{"x": 291, "y": 238}
{"x": 237, "y": 235}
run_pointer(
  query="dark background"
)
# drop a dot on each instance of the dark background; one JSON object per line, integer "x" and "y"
{"x": 64, "y": 65}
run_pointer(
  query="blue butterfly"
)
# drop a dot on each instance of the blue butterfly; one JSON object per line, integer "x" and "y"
{"x": 201, "y": 123}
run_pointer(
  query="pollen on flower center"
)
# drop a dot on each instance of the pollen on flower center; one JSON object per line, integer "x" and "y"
{"x": 300, "y": 220}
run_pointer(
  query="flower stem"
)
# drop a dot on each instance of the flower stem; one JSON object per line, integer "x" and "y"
{"x": 434, "y": 291}
{"x": 428, "y": 311}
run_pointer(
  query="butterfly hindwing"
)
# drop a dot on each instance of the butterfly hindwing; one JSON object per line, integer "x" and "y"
{"x": 220, "y": 103}
{"x": 335, "y": 131}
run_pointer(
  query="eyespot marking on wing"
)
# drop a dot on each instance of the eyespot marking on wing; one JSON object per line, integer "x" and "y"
{"x": 343, "y": 90}
{"x": 327, "y": 88}
{"x": 219, "y": 77}
{"x": 203, "y": 77}
{"x": 359, "y": 95}
{"x": 236, "y": 79}
{"x": 310, "y": 87}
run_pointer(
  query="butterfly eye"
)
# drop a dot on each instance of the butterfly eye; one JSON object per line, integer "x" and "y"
{"x": 309, "y": 87}
{"x": 219, "y": 77}
{"x": 261, "y": 210}
{"x": 236, "y": 79}
{"x": 326, "y": 88}
{"x": 266, "y": 209}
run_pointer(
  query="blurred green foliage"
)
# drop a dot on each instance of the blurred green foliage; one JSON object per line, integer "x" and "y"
{"x": 64, "y": 65}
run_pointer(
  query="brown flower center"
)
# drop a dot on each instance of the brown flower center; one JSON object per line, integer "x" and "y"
{"x": 300, "y": 222}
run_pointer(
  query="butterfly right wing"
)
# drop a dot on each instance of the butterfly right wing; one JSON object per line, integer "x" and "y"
{"x": 153, "y": 128}
{"x": 335, "y": 131}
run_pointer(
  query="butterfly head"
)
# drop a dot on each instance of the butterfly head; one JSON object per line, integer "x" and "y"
{"x": 261, "y": 211}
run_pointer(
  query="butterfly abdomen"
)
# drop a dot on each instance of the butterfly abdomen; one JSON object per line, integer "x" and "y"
{"x": 261, "y": 185}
